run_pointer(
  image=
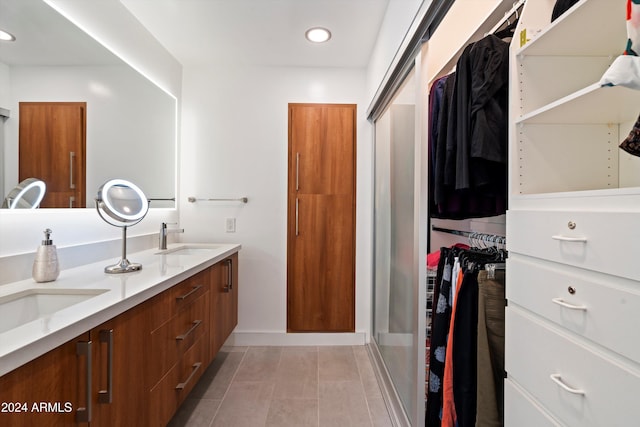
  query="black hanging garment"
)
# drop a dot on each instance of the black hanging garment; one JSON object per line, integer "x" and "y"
{"x": 561, "y": 7}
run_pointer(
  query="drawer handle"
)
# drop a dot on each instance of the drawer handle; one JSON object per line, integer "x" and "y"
{"x": 569, "y": 239}
{"x": 185, "y": 296}
{"x": 561, "y": 302}
{"x": 106, "y": 396}
{"x": 557, "y": 379}
{"x": 195, "y": 367}
{"x": 195, "y": 324}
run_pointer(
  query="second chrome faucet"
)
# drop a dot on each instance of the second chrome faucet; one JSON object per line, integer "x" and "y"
{"x": 162, "y": 240}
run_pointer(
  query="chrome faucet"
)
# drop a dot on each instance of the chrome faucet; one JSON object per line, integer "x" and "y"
{"x": 163, "y": 234}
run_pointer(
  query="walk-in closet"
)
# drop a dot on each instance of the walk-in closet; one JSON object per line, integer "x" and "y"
{"x": 497, "y": 156}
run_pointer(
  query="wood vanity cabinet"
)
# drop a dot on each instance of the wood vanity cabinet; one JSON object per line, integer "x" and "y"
{"x": 224, "y": 301}
{"x": 133, "y": 370}
{"x": 50, "y": 390}
{"x": 119, "y": 358}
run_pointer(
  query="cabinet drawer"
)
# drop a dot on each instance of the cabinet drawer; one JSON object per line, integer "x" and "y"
{"x": 597, "y": 306}
{"x": 170, "y": 302}
{"x": 169, "y": 393}
{"x": 588, "y": 389}
{"x": 600, "y": 241}
{"x": 521, "y": 411}
{"x": 176, "y": 336}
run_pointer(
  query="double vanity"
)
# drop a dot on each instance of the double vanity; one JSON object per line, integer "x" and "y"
{"x": 122, "y": 349}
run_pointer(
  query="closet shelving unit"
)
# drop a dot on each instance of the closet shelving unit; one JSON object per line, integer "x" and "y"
{"x": 572, "y": 350}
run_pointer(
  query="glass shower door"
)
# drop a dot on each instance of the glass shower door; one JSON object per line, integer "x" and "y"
{"x": 394, "y": 329}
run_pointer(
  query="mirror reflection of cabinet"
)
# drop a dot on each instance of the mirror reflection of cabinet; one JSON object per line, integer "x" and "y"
{"x": 52, "y": 142}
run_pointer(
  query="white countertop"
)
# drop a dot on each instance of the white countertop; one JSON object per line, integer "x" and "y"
{"x": 160, "y": 271}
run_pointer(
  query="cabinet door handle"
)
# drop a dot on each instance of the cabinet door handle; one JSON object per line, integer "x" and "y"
{"x": 72, "y": 156}
{"x": 230, "y": 273}
{"x": 562, "y": 303}
{"x": 83, "y": 415}
{"x": 297, "y": 171}
{"x": 193, "y": 327}
{"x": 71, "y": 201}
{"x": 556, "y": 378}
{"x": 106, "y": 396}
{"x": 569, "y": 239}
{"x": 185, "y": 296}
{"x": 297, "y": 217}
{"x": 195, "y": 368}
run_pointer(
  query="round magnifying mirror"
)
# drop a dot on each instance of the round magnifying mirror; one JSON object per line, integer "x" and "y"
{"x": 26, "y": 195}
{"x": 122, "y": 204}
{"x": 122, "y": 201}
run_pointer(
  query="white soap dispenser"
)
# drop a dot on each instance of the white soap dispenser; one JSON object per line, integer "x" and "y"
{"x": 45, "y": 266}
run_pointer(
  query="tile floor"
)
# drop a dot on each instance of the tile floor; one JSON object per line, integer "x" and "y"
{"x": 286, "y": 386}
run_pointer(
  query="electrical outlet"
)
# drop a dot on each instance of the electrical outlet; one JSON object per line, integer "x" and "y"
{"x": 230, "y": 225}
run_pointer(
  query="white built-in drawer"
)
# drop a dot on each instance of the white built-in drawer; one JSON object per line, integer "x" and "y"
{"x": 589, "y": 390}
{"x": 600, "y": 241}
{"x": 600, "y": 307}
{"x": 521, "y": 411}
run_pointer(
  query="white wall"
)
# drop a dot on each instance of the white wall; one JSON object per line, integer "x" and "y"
{"x": 234, "y": 143}
{"x": 395, "y": 27}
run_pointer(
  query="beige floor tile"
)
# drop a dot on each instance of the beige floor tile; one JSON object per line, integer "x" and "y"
{"x": 259, "y": 364}
{"x": 379, "y": 414}
{"x": 343, "y": 403}
{"x": 195, "y": 413}
{"x": 245, "y": 404}
{"x": 293, "y": 413}
{"x": 218, "y": 376}
{"x": 367, "y": 375}
{"x": 337, "y": 364}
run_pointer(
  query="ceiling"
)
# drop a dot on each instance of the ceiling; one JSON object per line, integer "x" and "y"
{"x": 263, "y": 32}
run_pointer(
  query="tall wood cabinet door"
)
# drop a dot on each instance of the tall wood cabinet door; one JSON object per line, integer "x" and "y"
{"x": 50, "y": 390}
{"x": 321, "y": 218}
{"x": 119, "y": 393}
{"x": 52, "y": 139}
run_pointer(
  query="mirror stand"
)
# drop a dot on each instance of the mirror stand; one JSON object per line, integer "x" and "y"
{"x": 123, "y": 266}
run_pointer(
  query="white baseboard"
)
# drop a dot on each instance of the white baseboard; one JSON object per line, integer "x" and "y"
{"x": 240, "y": 338}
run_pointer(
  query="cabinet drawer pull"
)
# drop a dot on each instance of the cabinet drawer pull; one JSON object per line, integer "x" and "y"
{"x": 569, "y": 239}
{"x": 185, "y": 296}
{"x": 83, "y": 415}
{"x": 195, "y": 324}
{"x": 562, "y": 303}
{"x": 556, "y": 378}
{"x": 230, "y": 273}
{"x": 195, "y": 367}
{"x": 106, "y": 396}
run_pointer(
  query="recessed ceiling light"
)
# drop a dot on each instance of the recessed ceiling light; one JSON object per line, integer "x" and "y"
{"x": 6, "y": 36}
{"x": 317, "y": 34}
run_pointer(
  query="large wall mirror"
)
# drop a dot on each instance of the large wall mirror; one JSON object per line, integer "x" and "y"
{"x": 77, "y": 114}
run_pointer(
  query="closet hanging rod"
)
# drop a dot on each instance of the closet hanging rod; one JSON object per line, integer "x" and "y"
{"x": 192, "y": 199}
{"x": 514, "y": 10}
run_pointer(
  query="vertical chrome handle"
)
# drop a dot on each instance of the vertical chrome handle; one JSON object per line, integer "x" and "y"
{"x": 195, "y": 368}
{"x": 297, "y": 217}
{"x": 230, "y": 273}
{"x": 106, "y": 396}
{"x": 83, "y": 415}
{"x": 297, "y": 171}
{"x": 72, "y": 156}
{"x": 71, "y": 201}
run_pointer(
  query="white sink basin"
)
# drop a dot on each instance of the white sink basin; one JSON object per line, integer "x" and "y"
{"x": 190, "y": 250}
{"x": 26, "y": 306}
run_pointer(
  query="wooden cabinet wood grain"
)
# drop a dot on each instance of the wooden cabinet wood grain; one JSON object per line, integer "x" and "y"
{"x": 50, "y": 390}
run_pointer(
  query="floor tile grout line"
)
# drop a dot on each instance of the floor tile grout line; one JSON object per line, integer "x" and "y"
{"x": 229, "y": 386}
{"x": 364, "y": 391}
